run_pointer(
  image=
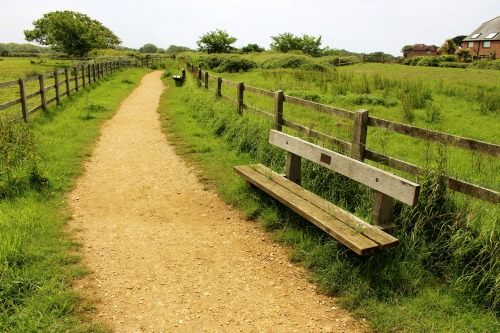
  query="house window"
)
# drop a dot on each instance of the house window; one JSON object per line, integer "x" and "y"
{"x": 486, "y": 44}
{"x": 471, "y": 45}
{"x": 490, "y": 36}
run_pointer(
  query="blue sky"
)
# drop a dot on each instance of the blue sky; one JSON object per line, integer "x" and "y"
{"x": 354, "y": 25}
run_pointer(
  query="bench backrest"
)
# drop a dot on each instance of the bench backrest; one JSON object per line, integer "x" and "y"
{"x": 382, "y": 181}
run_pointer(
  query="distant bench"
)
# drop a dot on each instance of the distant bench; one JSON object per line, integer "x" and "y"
{"x": 358, "y": 235}
{"x": 180, "y": 78}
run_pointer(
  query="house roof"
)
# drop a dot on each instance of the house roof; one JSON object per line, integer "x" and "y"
{"x": 422, "y": 47}
{"x": 486, "y": 31}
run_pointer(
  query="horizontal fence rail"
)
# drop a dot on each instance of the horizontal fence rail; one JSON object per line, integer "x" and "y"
{"x": 357, "y": 147}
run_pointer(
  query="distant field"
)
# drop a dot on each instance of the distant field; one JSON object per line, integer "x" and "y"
{"x": 462, "y": 102}
{"x": 14, "y": 68}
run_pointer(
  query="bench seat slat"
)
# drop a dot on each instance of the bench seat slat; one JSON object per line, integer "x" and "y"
{"x": 352, "y": 234}
{"x": 383, "y": 239}
{"x": 385, "y": 182}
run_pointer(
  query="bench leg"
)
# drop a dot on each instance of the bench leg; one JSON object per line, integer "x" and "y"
{"x": 382, "y": 212}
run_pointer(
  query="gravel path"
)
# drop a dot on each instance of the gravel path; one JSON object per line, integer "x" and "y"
{"x": 168, "y": 256}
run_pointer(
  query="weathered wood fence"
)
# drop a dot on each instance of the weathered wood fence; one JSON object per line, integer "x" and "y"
{"x": 64, "y": 82}
{"x": 361, "y": 120}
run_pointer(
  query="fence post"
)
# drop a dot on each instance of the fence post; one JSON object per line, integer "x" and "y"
{"x": 98, "y": 71}
{"x": 75, "y": 69}
{"x": 43, "y": 94}
{"x": 199, "y": 77}
{"x": 239, "y": 102}
{"x": 219, "y": 87}
{"x": 83, "y": 77}
{"x": 68, "y": 87}
{"x": 206, "y": 80}
{"x": 56, "y": 86}
{"x": 89, "y": 74}
{"x": 360, "y": 131}
{"x": 24, "y": 100}
{"x": 278, "y": 110}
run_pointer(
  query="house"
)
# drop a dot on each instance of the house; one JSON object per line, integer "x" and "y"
{"x": 419, "y": 50}
{"x": 485, "y": 40}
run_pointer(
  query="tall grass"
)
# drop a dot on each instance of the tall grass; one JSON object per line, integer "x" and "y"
{"x": 443, "y": 245}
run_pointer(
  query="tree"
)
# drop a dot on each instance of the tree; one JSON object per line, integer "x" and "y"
{"x": 463, "y": 54}
{"x": 148, "y": 48}
{"x": 217, "y": 41}
{"x": 177, "y": 49}
{"x": 287, "y": 42}
{"x": 448, "y": 47}
{"x": 252, "y": 48}
{"x": 458, "y": 39}
{"x": 70, "y": 32}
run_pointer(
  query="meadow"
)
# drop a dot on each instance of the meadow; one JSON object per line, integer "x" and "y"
{"x": 443, "y": 277}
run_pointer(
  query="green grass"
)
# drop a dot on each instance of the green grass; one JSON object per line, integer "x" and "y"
{"x": 12, "y": 68}
{"x": 463, "y": 102}
{"x": 38, "y": 260}
{"x": 426, "y": 284}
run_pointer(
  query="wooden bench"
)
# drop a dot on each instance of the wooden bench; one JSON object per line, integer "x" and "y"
{"x": 358, "y": 235}
{"x": 180, "y": 78}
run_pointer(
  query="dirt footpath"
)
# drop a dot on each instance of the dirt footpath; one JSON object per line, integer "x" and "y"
{"x": 167, "y": 255}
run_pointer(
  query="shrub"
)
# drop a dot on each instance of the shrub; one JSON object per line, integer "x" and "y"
{"x": 428, "y": 62}
{"x": 292, "y": 61}
{"x": 226, "y": 63}
{"x": 453, "y": 64}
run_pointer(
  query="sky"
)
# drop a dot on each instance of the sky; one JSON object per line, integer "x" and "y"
{"x": 361, "y": 26}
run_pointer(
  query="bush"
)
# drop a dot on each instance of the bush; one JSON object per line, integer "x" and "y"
{"x": 19, "y": 169}
{"x": 293, "y": 62}
{"x": 226, "y": 63}
{"x": 453, "y": 64}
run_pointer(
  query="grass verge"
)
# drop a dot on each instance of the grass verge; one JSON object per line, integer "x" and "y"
{"x": 402, "y": 290}
{"x": 38, "y": 260}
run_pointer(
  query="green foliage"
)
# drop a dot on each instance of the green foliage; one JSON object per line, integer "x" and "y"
{"x": 177, "y": 49}
{"x": 287, "y": 42}
{"x": 448, "y": 47}
{"x": 19, "y": 170}
{"x": 293, "y": 62}
{"x": 148, "y": 48}
{"x": 226, "y": 63}
{"x": 426, "y": 265}
{"x": 37, "y": 260}
{"x": 486, "y": 64}
{"x": 252, "y": 48}
{"x": 458, "y": 39}
{"x": 70, "y": 32}
{"x": 217, "y": 41}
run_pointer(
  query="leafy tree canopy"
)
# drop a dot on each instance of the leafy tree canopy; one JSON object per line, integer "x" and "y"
{"x": 70, "y": 32}
{"x": 217, "y": 41}
{"x": 458, "y": 39}
{"x": 148, "y": 48}
{"x": 448, "y": 47}
{"x": 177, "y": 49}
{"x": 252, "y": 48}
{"x": 287, "y": 42}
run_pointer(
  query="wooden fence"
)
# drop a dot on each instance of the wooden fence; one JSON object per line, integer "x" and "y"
{"x": 64, "y": 82}
{"x": 361, "y": 120}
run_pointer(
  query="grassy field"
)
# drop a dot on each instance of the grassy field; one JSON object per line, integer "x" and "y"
{"x": 443, "y": 277}
{"x": 462, "y": 102}
{"x": 38, "y": 260}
